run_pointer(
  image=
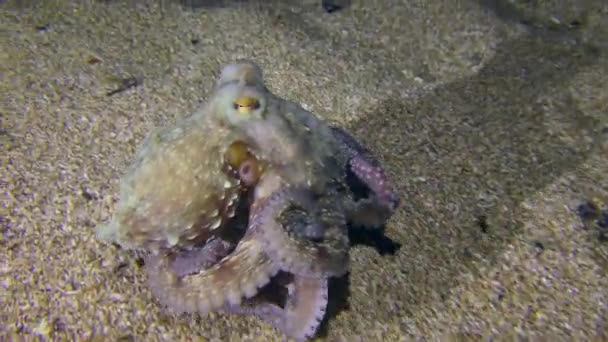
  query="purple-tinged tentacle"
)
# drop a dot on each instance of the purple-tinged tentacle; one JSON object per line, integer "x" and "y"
{"x": 197, "y": 259}
{"x": 367, "y": 168}
{"x": 304, "y": 309}
{"x": 227, "y": 281}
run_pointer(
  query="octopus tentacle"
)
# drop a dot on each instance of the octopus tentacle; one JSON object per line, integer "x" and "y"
{"x": 192, "y": 261}
{"x": 290, "y": 214}
{"x": 227, "y": 281}
{"x": 368, "y": 169}
{"x": 304, "y": 309}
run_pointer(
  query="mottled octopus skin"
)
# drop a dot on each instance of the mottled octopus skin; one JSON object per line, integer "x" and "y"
{"x": 307, "y": 300}
{"x": 190, "y": 267}
{"x": 329, "y": 152}
{"x": 225, "y": 277}
{"x": 178, "y": 190}
{"x": 317, "y": 155}
{"x": 177, "y": 195}
{"x": 193, "y": 199}
{"x": 293, "y": 250}
{"x": 225, "y": 282}
{"x": 304, "y": 308}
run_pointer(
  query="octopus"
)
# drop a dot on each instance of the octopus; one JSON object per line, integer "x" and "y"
{"x": 249, "y": 192}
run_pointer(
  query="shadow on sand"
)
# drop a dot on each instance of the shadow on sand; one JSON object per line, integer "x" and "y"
{"x": 483, "y": 146}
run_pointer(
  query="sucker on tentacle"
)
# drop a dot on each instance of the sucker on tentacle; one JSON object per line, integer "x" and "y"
{"x": 306, "y": 307}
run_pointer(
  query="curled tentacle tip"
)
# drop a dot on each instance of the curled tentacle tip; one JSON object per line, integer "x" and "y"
{"x": 250, "y": 172}
{"x": 239, "y": 158}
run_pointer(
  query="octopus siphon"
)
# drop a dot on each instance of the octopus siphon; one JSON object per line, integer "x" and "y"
{"x": 250, "y": 191}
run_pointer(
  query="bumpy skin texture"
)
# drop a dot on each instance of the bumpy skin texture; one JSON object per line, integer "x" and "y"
{"x": 250, "y": 185}
{"x": 180, "y": 189}
{"x": 181, "y": 282}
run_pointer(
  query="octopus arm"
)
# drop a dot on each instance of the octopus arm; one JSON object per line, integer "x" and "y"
{"x": 226, "y": 282}
{"x": 319, "y": 256}
{"x": 303, "y": 313}
{"x": 192, "y": 261}
{"x": 376, "y": 209}
{"x": 306, "y": 307}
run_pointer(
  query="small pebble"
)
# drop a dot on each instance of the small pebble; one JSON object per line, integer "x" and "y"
{"x": 331, "y": 6}
{"x": 587, "y": 211}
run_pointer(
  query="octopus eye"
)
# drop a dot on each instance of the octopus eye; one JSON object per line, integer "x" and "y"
{"x": 246, "y": 104}
{"x": 237, "y": 153}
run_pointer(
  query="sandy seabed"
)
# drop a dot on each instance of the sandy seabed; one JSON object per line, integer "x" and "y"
{"x": 490, "y": 117}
